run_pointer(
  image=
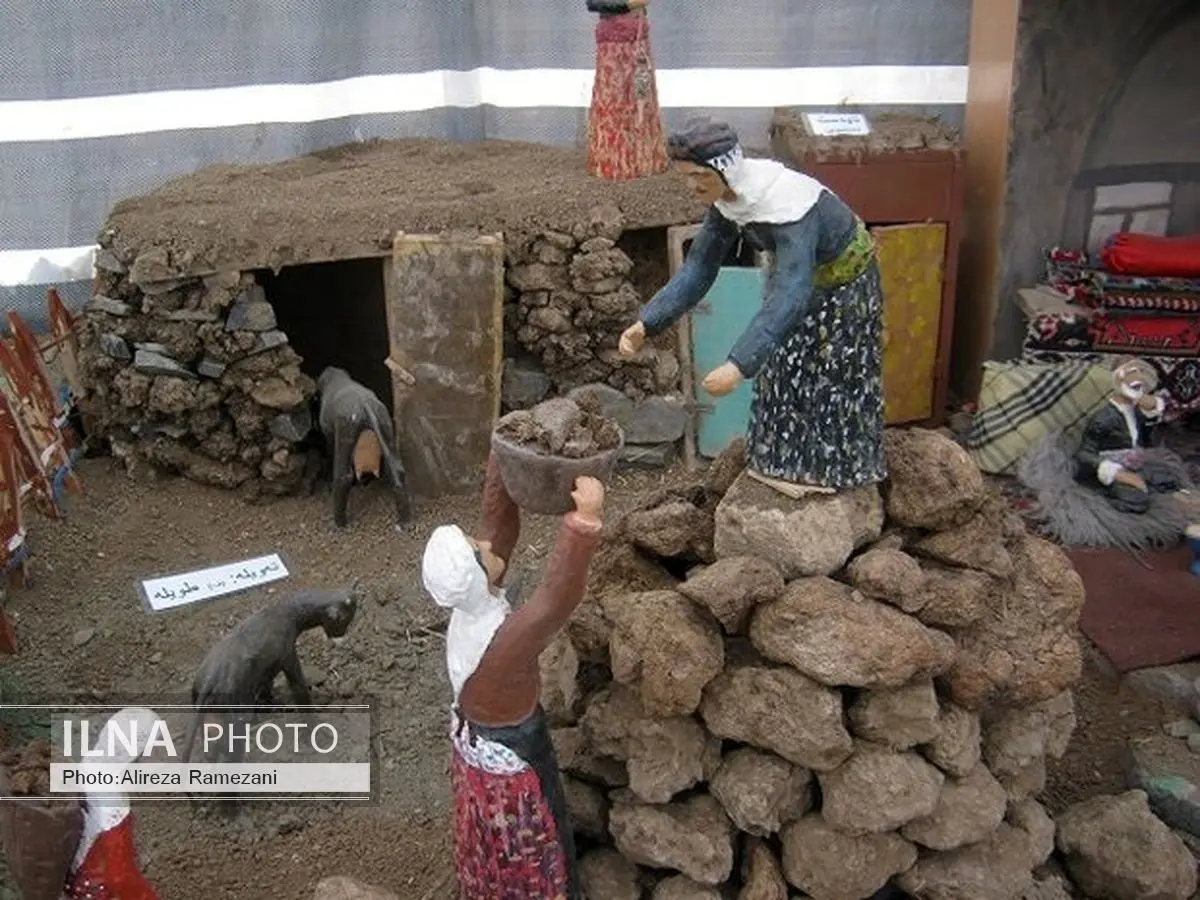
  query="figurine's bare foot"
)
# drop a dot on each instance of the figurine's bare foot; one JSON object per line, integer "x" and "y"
{"x": 792, "y": 489}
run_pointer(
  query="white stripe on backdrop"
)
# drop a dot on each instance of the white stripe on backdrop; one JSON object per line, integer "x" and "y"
{"x": 23, "y": 121}
{"x": 121, "y": 114}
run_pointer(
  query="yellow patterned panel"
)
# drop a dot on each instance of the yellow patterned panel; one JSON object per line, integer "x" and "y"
{"x": 911, "y": 259}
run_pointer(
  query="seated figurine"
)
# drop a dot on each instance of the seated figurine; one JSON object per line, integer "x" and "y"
{"x": 1110, "y": 455}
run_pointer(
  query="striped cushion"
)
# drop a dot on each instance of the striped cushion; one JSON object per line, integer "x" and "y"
{"x": 1019, "y": 404}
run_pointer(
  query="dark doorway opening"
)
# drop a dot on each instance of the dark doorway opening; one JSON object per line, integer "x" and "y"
{"x": 335, "y": 314}
{"x": 647, "y": 247}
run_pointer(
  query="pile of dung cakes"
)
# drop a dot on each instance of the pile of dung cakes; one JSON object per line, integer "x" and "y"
{"x": 569, "y": 297}
{"x": 830, "y": 697}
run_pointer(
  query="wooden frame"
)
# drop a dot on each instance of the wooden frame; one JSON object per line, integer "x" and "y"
{"x": 34, "y": 439}
{"x": 991, "y": 64}
{"x": 677, "y": 236}
{"x": 64, "y": 339}
{"x": 904, "y": 189}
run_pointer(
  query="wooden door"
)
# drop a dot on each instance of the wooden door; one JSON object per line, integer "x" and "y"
{"x": 911, "y": 267}
{"x": 445, "y": 308}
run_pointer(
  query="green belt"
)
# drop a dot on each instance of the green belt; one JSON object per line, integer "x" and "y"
{"x": 852, "y": 262}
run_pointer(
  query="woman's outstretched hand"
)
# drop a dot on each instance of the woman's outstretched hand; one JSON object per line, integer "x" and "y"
{"x": 631, "y": 341}
{"x": 722, "y": 380}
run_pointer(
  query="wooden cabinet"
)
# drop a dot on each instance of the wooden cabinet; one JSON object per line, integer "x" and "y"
{"x": 913, "y": 203}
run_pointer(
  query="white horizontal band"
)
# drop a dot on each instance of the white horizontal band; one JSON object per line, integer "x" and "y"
{"x": 161, "y": 111}
{"x": 78, "y": 118}
{"x": 51, "y": 265}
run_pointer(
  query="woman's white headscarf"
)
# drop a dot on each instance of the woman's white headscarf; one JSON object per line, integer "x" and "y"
{"x": 767, "y": 190}
{"x": 454, "y": 578}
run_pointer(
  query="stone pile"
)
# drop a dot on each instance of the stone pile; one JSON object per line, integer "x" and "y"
{"x": 569, "y": 298}
{"x": 764, "y": 697}
{"x": 193, "y": 375}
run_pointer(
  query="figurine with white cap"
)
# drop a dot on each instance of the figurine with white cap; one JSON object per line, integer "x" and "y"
{"x": 511, "y": 832}
{"x": 106, "y": 865}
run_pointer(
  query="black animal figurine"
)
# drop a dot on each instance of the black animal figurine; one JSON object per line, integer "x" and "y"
{"x": 358, "y": 433}
{"x": 241, "y": 667}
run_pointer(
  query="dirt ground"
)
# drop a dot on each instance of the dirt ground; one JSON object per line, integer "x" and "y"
{"x": 82, "y": 630}
{"x": 349, "y": 201}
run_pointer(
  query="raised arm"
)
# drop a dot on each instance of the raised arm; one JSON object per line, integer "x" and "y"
{"x": 788, "y": 296}
{"x": 695, "y": 276}
{"x": 500, "y": 517}
{"x": 531, "y": 627}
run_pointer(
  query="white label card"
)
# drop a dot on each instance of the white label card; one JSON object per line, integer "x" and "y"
{"x": 837, "y": 124}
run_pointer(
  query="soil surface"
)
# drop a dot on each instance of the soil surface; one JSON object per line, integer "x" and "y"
{"x": 82, "y": 631}
{"x": 890, "y": 133}
{"x": 349, "y": 201}
{"x": 84, "y": 637}
{"x": 28, "y": 769}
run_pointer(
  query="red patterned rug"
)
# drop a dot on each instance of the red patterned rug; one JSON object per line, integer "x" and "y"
{"x": 1155, "y": 335}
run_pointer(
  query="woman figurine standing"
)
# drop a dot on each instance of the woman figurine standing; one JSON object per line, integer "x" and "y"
{"x": 106, "y": 865}
{"x": 625, "y": 133}
{"x": 815, "y": 348}
{"x": 512, "y": 837}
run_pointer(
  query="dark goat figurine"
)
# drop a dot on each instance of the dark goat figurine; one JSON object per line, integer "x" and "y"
{"x": 241, "y": 667}
{"x": 358, "y": 432}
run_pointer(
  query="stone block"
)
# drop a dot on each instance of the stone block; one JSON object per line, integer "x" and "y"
{"x": 523, "y": 385}
{"x": 149, "y": 362}
{"x": 251, "y": 312}
{"x": 656, "y": 420}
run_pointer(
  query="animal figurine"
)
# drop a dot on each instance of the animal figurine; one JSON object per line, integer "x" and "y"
{"x": 241, "y": 668}
{"x": 357, "y": 428}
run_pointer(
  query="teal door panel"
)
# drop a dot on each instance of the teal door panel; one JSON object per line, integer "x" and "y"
{"x": 716, "y": 323}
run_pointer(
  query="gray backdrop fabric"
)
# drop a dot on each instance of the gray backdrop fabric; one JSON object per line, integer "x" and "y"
{"x": 57, "y": 193}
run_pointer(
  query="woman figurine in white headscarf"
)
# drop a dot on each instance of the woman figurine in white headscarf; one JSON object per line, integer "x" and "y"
{"x": 511, "y": 833}
{"x": 106, "y": 865}
{"x": 815, "y": 348}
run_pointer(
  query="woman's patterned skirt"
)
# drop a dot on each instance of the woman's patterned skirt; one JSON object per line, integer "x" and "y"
{"x": 512, "y": 838}
{"x": 625, "y": 132}
{"x": 817, "y": 416}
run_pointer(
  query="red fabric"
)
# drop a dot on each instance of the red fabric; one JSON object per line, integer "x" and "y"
{"x": 625, "y": 133}
{"x": 506, "y": 844}
{"x": 1156, "y": 335}
{"x": 110, "y": 870}
{"x": 1146, "y": 254}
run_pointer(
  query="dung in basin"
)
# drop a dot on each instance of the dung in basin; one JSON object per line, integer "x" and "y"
{"x": 541, "y": 451}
